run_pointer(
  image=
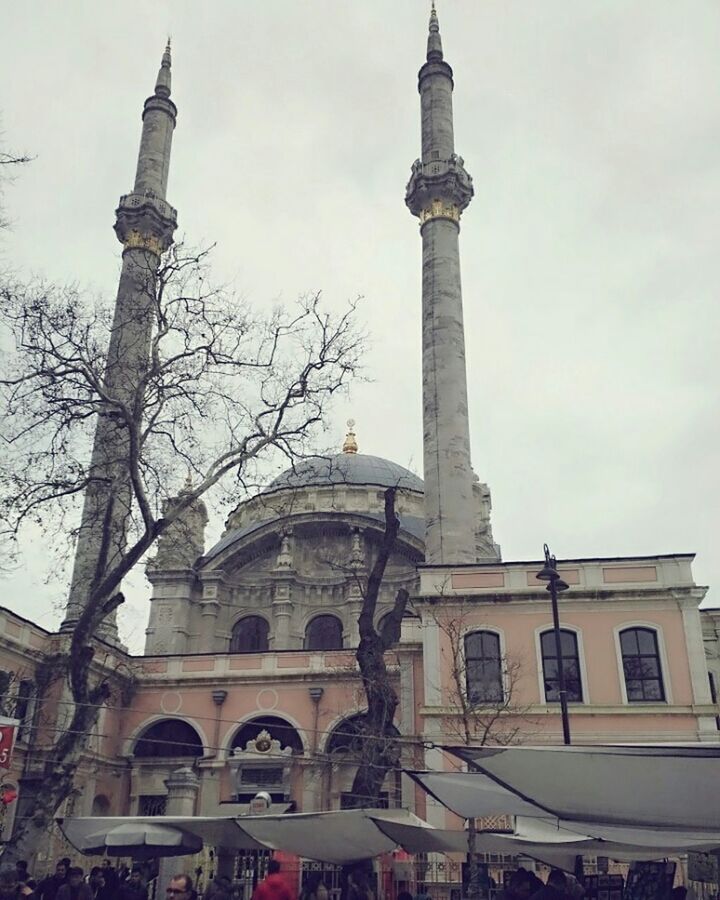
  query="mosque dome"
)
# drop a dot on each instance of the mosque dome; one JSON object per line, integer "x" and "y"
{"x": 346, "y": 468}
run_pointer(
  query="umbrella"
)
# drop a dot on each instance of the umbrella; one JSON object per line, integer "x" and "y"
{"x": 142, "y": 840}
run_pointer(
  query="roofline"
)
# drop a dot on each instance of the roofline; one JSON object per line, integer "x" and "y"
{"x": 12, "y": 612}
{"x": 490, "y": 563}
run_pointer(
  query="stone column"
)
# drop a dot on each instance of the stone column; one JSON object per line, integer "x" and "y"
{"x": 183, "y": 786}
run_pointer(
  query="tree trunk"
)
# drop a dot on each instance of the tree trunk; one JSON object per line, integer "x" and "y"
{"x": 380, "y": 749}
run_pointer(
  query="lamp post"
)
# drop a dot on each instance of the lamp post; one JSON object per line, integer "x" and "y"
{"x": 555, "y": 586}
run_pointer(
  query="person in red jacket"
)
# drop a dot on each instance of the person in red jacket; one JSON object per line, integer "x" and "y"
{"x": 273, "y": 886}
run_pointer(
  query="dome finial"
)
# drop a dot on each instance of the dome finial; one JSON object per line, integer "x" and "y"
{"x": 350, "y": 445}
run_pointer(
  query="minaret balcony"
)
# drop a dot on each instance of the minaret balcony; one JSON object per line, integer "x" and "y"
{"x": 145, "y": 220}
{"x": 439, "y": 188}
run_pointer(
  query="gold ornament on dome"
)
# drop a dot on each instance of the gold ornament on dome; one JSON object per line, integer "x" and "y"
{"x": 350, "y": 445}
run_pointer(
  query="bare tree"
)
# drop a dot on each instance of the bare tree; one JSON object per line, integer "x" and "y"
{"x": 380, "y": 752}
{"x": 8, "y": 164}
{"x": 210, "y": 389}
{"x": 478, "y": 717}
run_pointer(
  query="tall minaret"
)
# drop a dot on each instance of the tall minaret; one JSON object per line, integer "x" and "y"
{"x": 438, "y": 191}
{"x": 144, "y": 225}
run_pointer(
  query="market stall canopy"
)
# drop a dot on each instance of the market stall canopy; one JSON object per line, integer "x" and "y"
{"x": 643, "y": 795}
{"x": 556, "y": 847}
{"x": 341, "y": 837}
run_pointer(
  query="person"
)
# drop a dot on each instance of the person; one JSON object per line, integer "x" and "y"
{"x": 556, "y": 887}
{"x": 519, "y": 886}
{"x": 273, "y": 886}
{"x": 98, "y": 885}
{"x": 23, "y": 875}
{"x": 315, "y": 888}
{"x": 10, "y": 886}
{"x": 49, "y": 887}
{"x": 110, "y": 877}
{"x": 181, "y": 888}
{"x": 76, "y": 887}
{"x": 133, "y": 888}
{"x": 220, "y": 888}
{"x": 359, "y": 886}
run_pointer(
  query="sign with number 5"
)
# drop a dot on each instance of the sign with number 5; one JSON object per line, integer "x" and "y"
{"x": 7, "y": 739}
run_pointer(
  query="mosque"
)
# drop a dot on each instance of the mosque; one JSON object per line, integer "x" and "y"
{"x": 248, "y": 680}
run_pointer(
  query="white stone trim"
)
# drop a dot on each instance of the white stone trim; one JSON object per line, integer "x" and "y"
{"x": 584, "y": 682}
{"x": 664, "y": 667}
{"x": 431, "y": 662}
{"x": 697, "y": 661}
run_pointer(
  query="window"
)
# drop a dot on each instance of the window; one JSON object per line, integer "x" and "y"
{"x": 483, "y": 667}
{"x": 152, "y": 804}
{"x": 249, "y": 635}
{"x": 641, "y": 665}
{"x": 279, "y": 730}
{"x": 570, "y": 662}
{"x": 24, "y": 707}
{"x": 169, "y": 737}
{"x": 324, "y": 633}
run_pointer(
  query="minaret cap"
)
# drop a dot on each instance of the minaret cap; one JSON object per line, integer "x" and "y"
{"x": 350, "y": 445}
{"x": 162, "y": 86}
{"x": 434, "y": 45}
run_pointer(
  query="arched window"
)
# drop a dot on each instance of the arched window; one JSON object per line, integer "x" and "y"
{"x": 249, "y": 635}
{"x": 278, "y": 728}
{"x": 169, "y": 737}
{"x": 571, "y": 666}
{"x": 324, "y": 633}
{"x": 483, "y": 667}
{"x": 346, "y": 738}
{"x": 100, "y": 805}
{"x": 641, "y": 665}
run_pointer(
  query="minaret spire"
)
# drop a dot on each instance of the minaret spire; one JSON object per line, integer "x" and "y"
{"x": 437, "y": 193}
{"x": 434, "y": 44}
{"x": 144, "y": 225}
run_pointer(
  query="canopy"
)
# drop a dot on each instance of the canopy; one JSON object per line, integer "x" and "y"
{"x": 143, "y": 840}
{"x": 664, "y": 797}
{"x": 555, "y": 846}
{"x": 336, "y": 837}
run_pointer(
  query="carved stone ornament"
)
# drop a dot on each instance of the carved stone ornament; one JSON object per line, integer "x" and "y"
{"x": 263, "y": 745}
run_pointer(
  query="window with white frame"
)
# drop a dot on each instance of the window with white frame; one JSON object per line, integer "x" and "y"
{"x": 641, "y": 665}
{"x": 483, "y": 667}
{"x": 570, "y": 664}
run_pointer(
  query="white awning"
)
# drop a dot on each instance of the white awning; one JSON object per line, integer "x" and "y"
{"x": 643, "y": 796}
{"x": 336, "y": 837}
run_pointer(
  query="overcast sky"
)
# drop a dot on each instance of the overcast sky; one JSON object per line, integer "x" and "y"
{"x": 589, "y": 254}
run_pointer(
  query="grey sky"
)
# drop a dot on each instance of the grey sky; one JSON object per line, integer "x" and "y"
{"x": 589, "y": 255}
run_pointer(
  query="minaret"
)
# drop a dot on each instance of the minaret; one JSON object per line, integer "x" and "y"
{"x": 438, "y": 191}
{"x": 144, "y": 225}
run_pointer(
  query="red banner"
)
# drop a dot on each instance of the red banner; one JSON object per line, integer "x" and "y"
{"x": 7, "y": 738}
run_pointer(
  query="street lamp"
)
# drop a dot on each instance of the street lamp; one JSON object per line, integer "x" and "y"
{"x": 555, "y": 586}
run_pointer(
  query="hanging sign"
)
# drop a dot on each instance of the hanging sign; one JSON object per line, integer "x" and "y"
{"x": 8, "y": 728}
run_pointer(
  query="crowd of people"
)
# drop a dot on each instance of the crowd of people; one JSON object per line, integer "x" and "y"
{"x": 69, "y": 882}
